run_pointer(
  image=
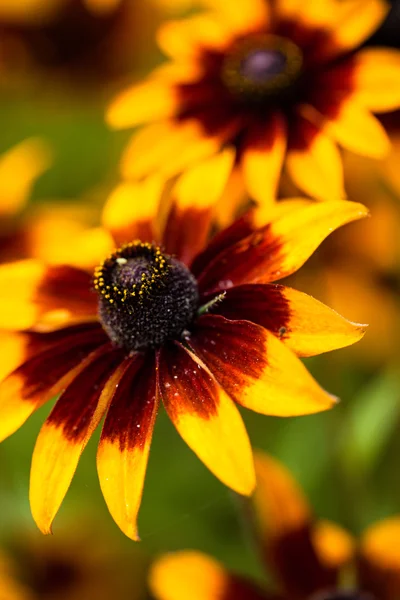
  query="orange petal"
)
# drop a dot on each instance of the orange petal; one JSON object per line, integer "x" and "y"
{"x": 302, "y": 323}
{"x": 314, "y": 163}
{"x": 44, "y": 375}
{"x": 194, "y": 575}
{"x": 206, "y": 418}
{"x": 356, "y": 129}
{"x": 380, "y": 559}
{"x": 66, "y": 432}
{"x": 35, "y": 295}
{"x": 242, "y": 16}
{"x": 167, "y": 147}
{"x": 149, "y": 101}
{"x": 354, "y": 22}
{"x": 253, "y": 366}
{"x": 264, "y": 149}
{"x": 377, "y": 79}
{"x": 334, "y": 545}
{"x": 125, "y": 443}
{"x": 131, "y": 209}
{"x": 279, "y": 249}
{"x": 194, "y": 197}
{"x": 19, "y": 169}
{"x": 280, "y": 503}
{"x": 183, "y": 39}
{"x": 287, "y": 525}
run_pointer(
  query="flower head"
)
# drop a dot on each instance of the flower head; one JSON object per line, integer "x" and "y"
{"x": 311, "y": 559}
{"x": 278, "y": 81}
{"x": 171, "y": 318}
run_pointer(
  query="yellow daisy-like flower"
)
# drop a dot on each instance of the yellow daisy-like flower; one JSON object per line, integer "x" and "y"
{"x": 308, "y": 556}
{"x": 166, "y": 317}
{"x": 278, "y": 80}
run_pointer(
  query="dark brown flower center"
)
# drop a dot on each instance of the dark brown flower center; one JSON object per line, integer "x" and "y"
{"x": 262, "y": 68}
{"x": 145, "y": 297}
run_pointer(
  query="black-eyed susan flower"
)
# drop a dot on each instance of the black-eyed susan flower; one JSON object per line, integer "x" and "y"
{"x": 278, "y": 80}
{"x": 166, "y": 317}
{"x": 311, "y": 559}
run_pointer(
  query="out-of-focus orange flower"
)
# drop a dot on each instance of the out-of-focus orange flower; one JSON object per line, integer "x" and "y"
{"x": 146, "y": 336}
{"x": 82, "y": 563}
{"x": 83, "y": 42}
{"x": 279, "y": 81}
{"x": 311, "y": 559}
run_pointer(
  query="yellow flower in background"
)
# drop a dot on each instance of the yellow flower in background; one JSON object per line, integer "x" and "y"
{"x": 279, "y": 81}
{"x": 311, "y": 559}
{"x": 196, "y": 325}
{"x": 19, "y": 168}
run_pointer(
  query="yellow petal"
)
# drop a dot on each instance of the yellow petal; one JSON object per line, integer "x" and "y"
{"x": 189, "y": 574}
{"x": 184, "y": 38}
{"x": 167, "y": 148}
{"x": 380, "y": 559}
{"x": 280, "y": 503}
{"x": 149, "y": 101}
{"x": 252, "y": 366}
{"x": 305, "y": 325}
{"x": 264, "y": 149}
{"x": 358, "y": 130}
{"x": 242, "y": 16}
{"x": 125, "y": 444}
{"x": 206, "y": 418}
{"x": 131, "y": 209}
{"x": 314, "y": 163}
{"x": 334, "y": 545}
{"x": 377, "y": 79}
{"x": 66, "y": 432}
{"x": 19, "y": 169}
{"x": 354, "y": 22}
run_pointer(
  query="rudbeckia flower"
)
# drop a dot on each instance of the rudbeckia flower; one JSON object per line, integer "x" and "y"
{"x": 311, "y": 559}
{"x": 278, "y": 80}
{"x": 166, "y": 317}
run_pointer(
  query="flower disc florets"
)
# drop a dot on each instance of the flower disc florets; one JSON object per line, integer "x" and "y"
{"x": 145, "y": 297}
{"x": 262, "y": 68}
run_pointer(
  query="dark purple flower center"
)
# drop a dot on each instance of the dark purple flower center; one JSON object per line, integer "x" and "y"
{"x": 261, "y": 68}
{"x": 145, "y": 297}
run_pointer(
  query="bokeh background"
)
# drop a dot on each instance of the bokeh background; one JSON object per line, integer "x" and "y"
{"x": 61, "y": 61}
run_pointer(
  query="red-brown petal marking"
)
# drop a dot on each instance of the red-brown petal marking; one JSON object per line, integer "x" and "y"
{"x": 125, "y": 442}
{"x": 46, "y": 297}
{"x": 45, "y": 375}
{"x": 256, "y": 369}
{"x": 205, "y": 417}
{"x": 194, "y": 198}
{"x": 305, "y": 325}
{"x": 223, "y": 240}
{"x": 67, "y": 430}
{"x": 279, "y": 249}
